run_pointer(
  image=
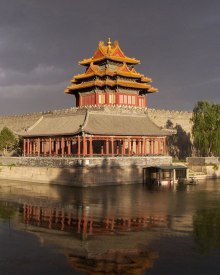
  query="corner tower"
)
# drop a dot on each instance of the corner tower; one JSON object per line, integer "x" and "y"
{"x": 110, "y": 79}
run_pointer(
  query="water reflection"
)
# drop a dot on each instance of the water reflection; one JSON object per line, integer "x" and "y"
{"x": 206, "y": 224}
{"x": 98, "y": 243}
{"x": 113, "y": 229}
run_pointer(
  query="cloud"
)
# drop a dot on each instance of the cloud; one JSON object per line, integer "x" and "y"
{"x": 41, "y": 44}
{"x": 30, "y": 91}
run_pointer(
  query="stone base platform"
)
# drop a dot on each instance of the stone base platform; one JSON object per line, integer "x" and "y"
{"x": 81, "y": 172}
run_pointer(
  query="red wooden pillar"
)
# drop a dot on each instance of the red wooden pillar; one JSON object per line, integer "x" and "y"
{"x": 84, "y": 223}
{"x": 116, "y": 99}
{"x": 80, "y": 100}
{"x": 132, "y": 146}
{"x": 28, "y": 146}
{"x": 96, "y": 98}
{"x": 62, "y": 219}
{"x": 78, "y": 146}
{"x": 156, "y": 146}
{"x": 152, "y": 144}
{"x": 107, "y": 98}
{"x": 31, "y": 145}
{"x": 136, "y": 100}
{"x": 90, "y": 146}
{"x": 123, "y": 147}
{"x": 117, "y": 149}
{"x": 69, "y": 141}
{"x": 150, "y": 147}
{"x": 159, "y": 153}
{"x": 50, "y": 147}
{"x": 53, "y": 147}
{"x": 84, "y": 146}
{"x": 145, "y": 102}
{"x": 24, "y": 147}
{"x": 144, "y": 141}
{"x": 38, "y": 147}
{"x": 107, "y": 146}
{"x": 137, "y": 147}
{"x": 146, "y": 146}
{"x": 91, "y": 225}
{"x": 45, "y": 143}
{"x": 129, "y": 146}
{"x": 56, "y": 146}
{"x": 142, "y": 146}
{"x": 112, "y": 145}
{"x": 62, "y": 146}
{"x": 34, "y": 147}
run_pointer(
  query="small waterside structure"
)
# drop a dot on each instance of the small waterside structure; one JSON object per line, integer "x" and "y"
{"x": 165, "y": 175}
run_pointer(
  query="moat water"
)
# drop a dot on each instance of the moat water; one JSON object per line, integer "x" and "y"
{"x": 109, "y": 230}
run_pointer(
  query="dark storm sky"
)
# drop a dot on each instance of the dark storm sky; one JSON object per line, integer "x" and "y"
{"x": 41, "y": 42}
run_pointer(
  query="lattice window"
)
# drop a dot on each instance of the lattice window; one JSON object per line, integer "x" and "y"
{"x": 112, "y": 98}
{"x": 101, "y": 99}
{"x": 121, "y": 99}
{"x": 133, "y": 100}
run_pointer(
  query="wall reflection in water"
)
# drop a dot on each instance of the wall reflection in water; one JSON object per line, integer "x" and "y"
{"x": 111, "y": 229}
{"x": 99, "y": 230}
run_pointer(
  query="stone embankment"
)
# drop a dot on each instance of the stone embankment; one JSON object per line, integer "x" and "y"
{"x": 19, "y": 123}
{"x": 203, "y": 168}
{"x": 79, "y": 172}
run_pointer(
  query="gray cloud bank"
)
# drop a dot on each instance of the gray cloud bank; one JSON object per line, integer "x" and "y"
{"x": 41, "y": 43}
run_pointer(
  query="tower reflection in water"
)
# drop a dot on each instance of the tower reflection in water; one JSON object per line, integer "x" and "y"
{"x": 95, "y": 244}
{"x": 99, "y": 229}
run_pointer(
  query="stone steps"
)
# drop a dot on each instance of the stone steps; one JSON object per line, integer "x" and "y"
{"x": 197, "y": 175}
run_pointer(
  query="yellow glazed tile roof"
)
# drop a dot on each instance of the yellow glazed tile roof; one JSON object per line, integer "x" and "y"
{"x": 111, "y": 52}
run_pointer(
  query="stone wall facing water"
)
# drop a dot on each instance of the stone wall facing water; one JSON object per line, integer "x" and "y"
{"x": 79, "y": 171}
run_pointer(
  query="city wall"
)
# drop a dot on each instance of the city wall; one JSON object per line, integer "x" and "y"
{"x": 160, "y": 117}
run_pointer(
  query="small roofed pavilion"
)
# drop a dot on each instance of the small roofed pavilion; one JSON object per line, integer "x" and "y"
{"x": 110, "y": 118}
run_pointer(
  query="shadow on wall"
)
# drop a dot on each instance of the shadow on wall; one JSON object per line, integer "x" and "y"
{"x": 109, "y": 172}
{"x": 179, "y": 145}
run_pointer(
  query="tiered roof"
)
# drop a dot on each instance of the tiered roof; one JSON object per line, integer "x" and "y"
{"x": 130, "y": 78}
{"x": 111, "y": 52}
{"x": 95, "y": 122}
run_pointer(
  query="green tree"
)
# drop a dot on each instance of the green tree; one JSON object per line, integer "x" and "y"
{"x": 8, "y": 140}
{"x": 179, "y": 144}
{"x": 206, "y": 128}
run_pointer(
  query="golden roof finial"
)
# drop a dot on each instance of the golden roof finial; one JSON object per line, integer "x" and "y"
{"x": 109, "y": 43}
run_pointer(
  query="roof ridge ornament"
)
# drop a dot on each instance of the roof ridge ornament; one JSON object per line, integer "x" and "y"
{"x": 109, "y": 45}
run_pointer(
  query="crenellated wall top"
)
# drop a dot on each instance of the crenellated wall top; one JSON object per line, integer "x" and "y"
{"x": 158, "y": 116}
